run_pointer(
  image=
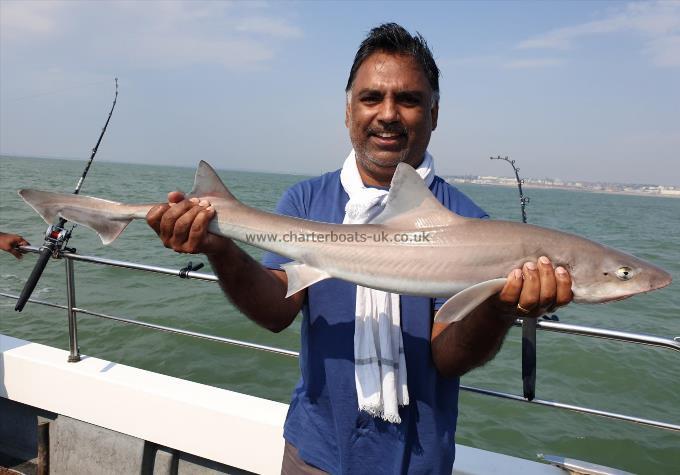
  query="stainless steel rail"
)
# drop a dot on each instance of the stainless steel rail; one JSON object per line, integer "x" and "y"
{"x": 642, "y": 339}
{"x": 163, "y": 328}
{"x": 74, "y": 355}
{"x": 571, "y": 407}
{"x": 639, "y": 338}
{"x": 134, "y": 265}
{"x": 128, "y": 265}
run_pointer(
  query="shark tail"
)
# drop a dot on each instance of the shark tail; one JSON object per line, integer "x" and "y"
{"x": 107, "y": 218}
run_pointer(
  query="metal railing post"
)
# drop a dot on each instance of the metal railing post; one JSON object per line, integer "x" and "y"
{"x": 74, "y": 351}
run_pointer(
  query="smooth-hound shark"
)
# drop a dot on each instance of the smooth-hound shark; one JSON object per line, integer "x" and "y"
{"x": 415, "y": 246}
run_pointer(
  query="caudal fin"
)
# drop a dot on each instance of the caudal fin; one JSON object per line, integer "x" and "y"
{"x": 107, "y": 218}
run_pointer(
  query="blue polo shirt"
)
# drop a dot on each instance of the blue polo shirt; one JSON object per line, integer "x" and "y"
{"x": 324, "y": 422}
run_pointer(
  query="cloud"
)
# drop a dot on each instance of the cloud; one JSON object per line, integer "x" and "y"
{"x": 29, "y": 18}
{"x": 657, "y": 22}
{"x": 269, "y": 26}
{"x": 665, "y": 52}
{"x": 503, "y": 62}
{"x": 533, "y": 63}
{"x": 149, "y": 34}
{"x": 175, "y": 51}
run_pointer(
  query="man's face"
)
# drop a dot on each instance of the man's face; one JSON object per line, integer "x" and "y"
{"x": 390, "y": 114}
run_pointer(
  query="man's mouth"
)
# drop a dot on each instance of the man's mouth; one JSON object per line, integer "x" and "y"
{"x": 388, "y": 139}
{"x": 387, "y": 135}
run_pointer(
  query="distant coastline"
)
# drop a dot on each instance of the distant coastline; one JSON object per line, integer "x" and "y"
{"x": 556, "y": 184}
{"x": 542, "y": 183}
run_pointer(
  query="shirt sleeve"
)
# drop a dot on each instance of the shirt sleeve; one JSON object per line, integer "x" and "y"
{"x": 290, "y": 204}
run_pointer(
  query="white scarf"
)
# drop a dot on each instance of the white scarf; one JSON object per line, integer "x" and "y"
{"x": 379, "y": 364}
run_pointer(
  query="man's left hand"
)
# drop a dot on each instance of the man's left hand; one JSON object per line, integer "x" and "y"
{"x": 534, "y": 290}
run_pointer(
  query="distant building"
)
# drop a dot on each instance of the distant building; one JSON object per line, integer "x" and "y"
{"x": 637, "y": 189}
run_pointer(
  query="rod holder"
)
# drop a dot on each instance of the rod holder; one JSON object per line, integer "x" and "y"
{"x": 74, "y": 350}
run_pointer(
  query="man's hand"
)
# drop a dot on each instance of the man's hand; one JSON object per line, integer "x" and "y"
{"x": 182, "y": 225}
{"x": 259, "y": 293}
{"x": 11, "y": 242}
{"x": 535, "y": 289}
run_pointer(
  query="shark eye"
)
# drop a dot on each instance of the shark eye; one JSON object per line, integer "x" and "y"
{"x": 624, "y": 273}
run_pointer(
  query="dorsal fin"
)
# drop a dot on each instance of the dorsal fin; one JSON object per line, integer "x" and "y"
{"x": 208, "y": 183}
{"x": 411, "y": 203}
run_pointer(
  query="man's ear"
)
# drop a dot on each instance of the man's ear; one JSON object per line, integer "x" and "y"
{"x": 347, "y": 112}
{"x": 435, "y": 114}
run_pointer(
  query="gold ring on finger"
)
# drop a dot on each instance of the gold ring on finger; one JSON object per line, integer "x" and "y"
{"x": 523, "y": 310}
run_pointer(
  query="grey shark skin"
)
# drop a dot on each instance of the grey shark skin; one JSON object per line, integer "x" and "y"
{"x": 414, "y": 247}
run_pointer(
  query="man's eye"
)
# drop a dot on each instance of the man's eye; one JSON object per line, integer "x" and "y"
{"x": 370, "y": 99}
{"x": 410, "y": 100}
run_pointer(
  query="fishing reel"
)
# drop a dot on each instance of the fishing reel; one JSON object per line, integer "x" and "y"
{"x": 56, "y": 237}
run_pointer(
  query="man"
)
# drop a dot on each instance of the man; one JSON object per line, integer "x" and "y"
{"x": 392, "y": 108}
{"x": 11, "y": 242}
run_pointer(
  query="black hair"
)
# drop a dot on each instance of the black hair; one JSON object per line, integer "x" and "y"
{"x": 395, "y": 39}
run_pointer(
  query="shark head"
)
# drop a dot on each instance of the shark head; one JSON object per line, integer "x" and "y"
{"x": 614, "y": 275}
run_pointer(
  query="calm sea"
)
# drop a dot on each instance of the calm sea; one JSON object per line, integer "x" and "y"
{"x": 611, "y": 376}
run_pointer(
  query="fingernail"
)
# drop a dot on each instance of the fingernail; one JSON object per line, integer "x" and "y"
{"x": 203, "y": 203}
{"x": 544, "y": 260}
{"x": 530, "y": 265}
{"x": 517, "y": 274}
{"x": 561, "y": 271}
{"x": 194, "y": 200}
{"x": 210, "y": 208}
{"x": 172, "y": 204}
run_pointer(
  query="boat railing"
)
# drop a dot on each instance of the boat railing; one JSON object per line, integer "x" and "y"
{"x": 186, "y": 273}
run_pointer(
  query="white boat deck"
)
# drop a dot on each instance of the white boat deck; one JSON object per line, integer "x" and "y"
{"x": 216, "y": 424}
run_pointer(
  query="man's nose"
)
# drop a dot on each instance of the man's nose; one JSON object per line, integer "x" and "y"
{"x": 388, "y": 111}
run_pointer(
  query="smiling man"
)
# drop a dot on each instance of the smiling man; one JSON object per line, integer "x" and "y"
{"x": 391, "y": 113}
{"x": 378, "y": 391}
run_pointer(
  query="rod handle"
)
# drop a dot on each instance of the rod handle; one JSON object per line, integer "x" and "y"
{"x": 529, "y": 358}
{"x": 32, "y": 281}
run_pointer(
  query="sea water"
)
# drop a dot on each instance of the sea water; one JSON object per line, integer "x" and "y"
{"x": 611, "y": 376}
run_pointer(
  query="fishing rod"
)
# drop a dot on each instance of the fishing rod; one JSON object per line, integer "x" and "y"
{"x": 528, "y": 324}
{"x": 523, "y": 200}
{"x": 57, "y": 236}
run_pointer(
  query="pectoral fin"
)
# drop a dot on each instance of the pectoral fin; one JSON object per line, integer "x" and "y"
{"x": 301, "y": 276}
{"x": 460, "y": 305}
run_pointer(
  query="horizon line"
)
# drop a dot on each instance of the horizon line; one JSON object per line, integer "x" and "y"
{"x": 312, "y": 174}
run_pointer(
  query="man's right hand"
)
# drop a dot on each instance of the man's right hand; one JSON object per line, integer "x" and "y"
{"x": 258, "y": 292}
{"x": 182, "y": 225}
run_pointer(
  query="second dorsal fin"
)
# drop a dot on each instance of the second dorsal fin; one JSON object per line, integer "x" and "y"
{"x": 208, "y": 183}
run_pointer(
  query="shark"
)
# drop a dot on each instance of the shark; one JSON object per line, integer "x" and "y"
{"x": 415, "y": 246}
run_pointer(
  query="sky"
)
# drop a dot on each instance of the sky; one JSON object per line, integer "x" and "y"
{"x": 586, "y": 90}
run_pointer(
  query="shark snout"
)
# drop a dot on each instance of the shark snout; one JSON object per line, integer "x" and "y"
{"x": 663, "y": 279}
